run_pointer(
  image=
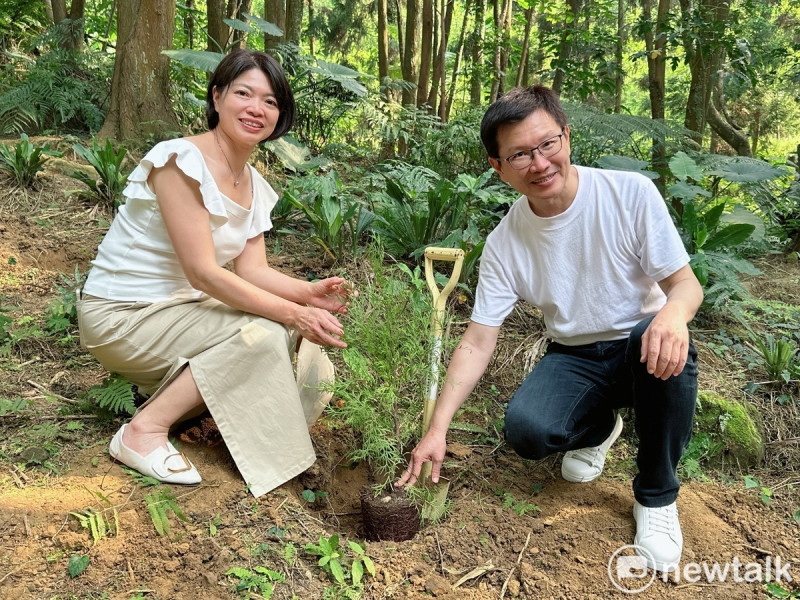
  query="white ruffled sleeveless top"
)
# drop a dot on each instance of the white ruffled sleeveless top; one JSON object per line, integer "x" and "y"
{"x": 136, "y": 261}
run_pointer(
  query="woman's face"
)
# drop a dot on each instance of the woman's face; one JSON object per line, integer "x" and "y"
{"x": 248, "y": 109}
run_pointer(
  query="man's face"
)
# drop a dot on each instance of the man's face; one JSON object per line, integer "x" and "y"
{"x": 548, "y": 179}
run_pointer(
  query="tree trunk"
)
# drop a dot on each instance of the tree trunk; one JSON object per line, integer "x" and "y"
{"x": 526, "y": 43}
{"x": 294, "y": 21}
{"x": 619, "y": 80}
{"x": 59, "y": 10}
{"x": 438, "y": 83}
{"x": 564, "y": 47}
{"x": 188, "y": 22}
{"x": 722, "y": 124}
{"x": 476, "y": 82}
{"x": 48, "y": 11}
{"x": 497, "y": 17}
{"x": 704, "y": 48}
{"x": 755, "y": 129}
{"x": 544, "y": 27}
{"x": 275, "y": 13}
{"x": 140, "y": 102}
{"x": 656, "y": 45}
{"x": 505, "y": 51}
{"x": 217, "y": 30}
{"x": 75, "y": 39}
{"x": 311, "y": 20}
{"x": 400, "y": 29}
{"x": 236, "y": 10}
{"x": 457, "y": 64}
{"x": 383, "y": 42}
{"x": 425, "y": 52}
{"x": 411, "y": 57}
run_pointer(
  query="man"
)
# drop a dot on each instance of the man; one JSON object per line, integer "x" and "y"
{"x": 597, "y": 252}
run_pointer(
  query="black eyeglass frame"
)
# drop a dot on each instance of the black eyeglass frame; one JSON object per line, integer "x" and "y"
{"x": 530, "y": 152}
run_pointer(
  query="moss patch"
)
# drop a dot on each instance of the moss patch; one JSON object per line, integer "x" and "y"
{"x": 735, "y": 428}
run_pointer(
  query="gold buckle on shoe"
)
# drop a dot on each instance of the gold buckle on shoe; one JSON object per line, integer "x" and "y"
{"x": 188, "y": 466}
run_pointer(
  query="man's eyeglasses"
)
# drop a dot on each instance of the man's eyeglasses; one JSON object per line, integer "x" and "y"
{"x": 524, "y": 158}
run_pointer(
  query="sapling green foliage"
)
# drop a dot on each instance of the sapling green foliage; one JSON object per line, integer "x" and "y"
{"x": 25, "y": 160}
{"x": 384, "y": 380}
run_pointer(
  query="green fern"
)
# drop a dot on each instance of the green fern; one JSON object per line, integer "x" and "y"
{"x": 62, "y": 90}
{"x": 115, "y": 394}
{"x": 158, "y": 503}
{"x": 96, "y": 523}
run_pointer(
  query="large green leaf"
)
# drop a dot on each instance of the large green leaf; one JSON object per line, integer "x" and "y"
{"x": 729, "y": 236}
{"x": 740, "y": 214}
{"x": 741, "y": 169}
{"x": 238, "y": 25}
{"x": 344, "y": 76}
{"x": 264, "y": 26}
{"x": 625, "y": 163}
{"x": 196, "y": 59}
{"x": 683, "y": 167}
{"x": 687, "y": 191}
{"x": 294, "y": 155}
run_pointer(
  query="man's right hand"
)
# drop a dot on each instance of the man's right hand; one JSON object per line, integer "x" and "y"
{"x": 431, "y": 448}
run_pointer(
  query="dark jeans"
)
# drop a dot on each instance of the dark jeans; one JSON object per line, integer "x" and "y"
{"x": 568, "y": 403}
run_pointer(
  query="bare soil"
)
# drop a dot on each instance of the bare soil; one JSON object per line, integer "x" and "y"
{"x": 515, "y": 528}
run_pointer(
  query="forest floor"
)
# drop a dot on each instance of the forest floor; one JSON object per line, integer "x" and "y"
{"x": 515, "y": 528}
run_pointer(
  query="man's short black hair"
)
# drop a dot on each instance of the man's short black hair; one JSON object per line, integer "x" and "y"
{"x": 240, "y": 61}
{"x": 515, "y": 106}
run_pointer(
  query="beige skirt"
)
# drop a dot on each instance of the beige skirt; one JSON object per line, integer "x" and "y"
{"x": 241, "y": 363}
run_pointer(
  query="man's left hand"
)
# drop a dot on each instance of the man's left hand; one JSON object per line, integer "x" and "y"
{"x": 665, "y": 343}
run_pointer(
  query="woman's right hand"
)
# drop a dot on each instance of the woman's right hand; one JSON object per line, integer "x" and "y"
{"x": 319, "y": 326}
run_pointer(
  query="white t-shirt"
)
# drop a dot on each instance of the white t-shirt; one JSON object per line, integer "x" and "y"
{"x": 136, "y": 260}
{"x": 593, "y": 269}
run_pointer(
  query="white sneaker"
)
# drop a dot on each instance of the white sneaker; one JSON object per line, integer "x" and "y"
{"x": 587, "y": 464}
{"x": 658, "y": 534}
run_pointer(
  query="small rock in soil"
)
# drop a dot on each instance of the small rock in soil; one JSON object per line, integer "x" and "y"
{"x": 437, "y": 585}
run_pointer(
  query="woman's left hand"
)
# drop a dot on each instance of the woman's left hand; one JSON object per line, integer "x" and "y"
{"x": 332, "y": 294}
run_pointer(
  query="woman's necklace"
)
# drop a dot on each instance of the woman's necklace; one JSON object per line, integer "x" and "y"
{"x": 225, "y": 156}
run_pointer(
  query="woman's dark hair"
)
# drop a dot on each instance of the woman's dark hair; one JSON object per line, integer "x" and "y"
{"x": 240, "y": 61}
{"x": 515, "y": 106}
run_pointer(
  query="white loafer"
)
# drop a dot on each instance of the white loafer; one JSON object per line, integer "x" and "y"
{"x": 164, "y": 463}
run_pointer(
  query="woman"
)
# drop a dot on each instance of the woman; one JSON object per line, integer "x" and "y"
{"x": 159, "y": 307}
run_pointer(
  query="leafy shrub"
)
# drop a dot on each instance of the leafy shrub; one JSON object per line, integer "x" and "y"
{"x": 107, "y": 163}
{"x": 25, "y": 161}
{"x": 336, "y": 220}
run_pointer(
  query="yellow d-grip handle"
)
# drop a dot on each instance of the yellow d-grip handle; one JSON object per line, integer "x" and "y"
{"x": 450, "y": 254}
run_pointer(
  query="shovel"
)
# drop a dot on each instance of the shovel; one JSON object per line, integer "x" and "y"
{"x": 434, "y": 509}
